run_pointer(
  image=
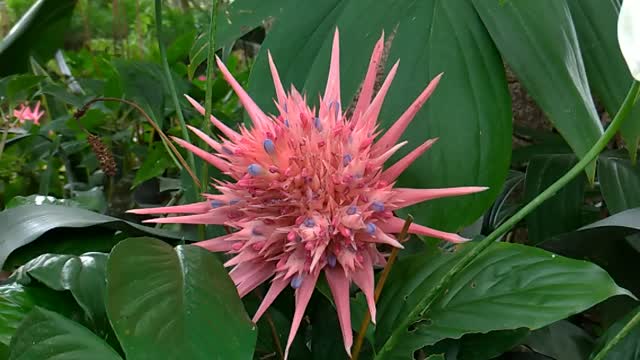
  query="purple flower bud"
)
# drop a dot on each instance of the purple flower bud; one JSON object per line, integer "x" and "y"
{"x": 331, "y": 260}
{"x": 352, "y": 210}
{"x": 296, "y": 281}
{"x": 254, "y": 169}
{"x": 216, "y": 204}
{"x": 377, "y": 206}
{"x": 269, "y": 146}
{"x": 371, "y": 228}
{"x": 346, "y": 159}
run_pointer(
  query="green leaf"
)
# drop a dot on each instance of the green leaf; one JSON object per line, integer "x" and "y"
{"x": 15, "y": 303}
{"x": 596, "y": 25}
{"x": 84, "y": 276}
{"x": 233, "y": 21}
{"x": 40, "y": 32}
{"x": 561, "y": 213}
{"x": 24, "y": 224}
{"x": 144, "y": 83}
{"x": 18, "y": 201}
{"x": 16, "y": 88}
{"x": 608, "y": 244}
{"x": 561, "y": 340}
{"x": 619, "y": 182}
{"x": 155, "y": 163}
{"x": 504, "y": 288}
{"x": 167, "y": 303}
{"x": 489, "y": 345}
{"x": 47, "y": 335}
{"x": 628, "y": 345}
{"x": 538, "y": 41}
{"x": 629, "y": 36}
{"x": 430, "y": 37}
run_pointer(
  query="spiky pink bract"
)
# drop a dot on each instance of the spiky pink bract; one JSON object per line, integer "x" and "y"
{"x": 309, "y": 192}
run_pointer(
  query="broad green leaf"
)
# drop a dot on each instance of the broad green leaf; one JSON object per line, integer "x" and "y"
{"x": 628, "y": 347}
{"x": 504, "y": 288}
{"x": 144, "y": 83}
{"x": 155, "y": 163}
{"x": 24, "y": 224}
{"x": 596, "y": 25}
{"x": 561, "y": 213}
{"x": 619, "y": 182}
{"x": 84, "y": 276}
{"x": 40, "y": 32}
{"x": 167, "y": 303}
{"x": 505, "y": 205}
{"x": 561, "y": 340}
{"x": 234, "y": 20}
{"x": 469, "y": 111}
{"x": 326, "y": 339}
{"x": 48, "y": 335}
{"x": 18, "y": 201}
{"x": 629, "y": 35}
{"x": 608, "y": 243}
{"x": 538, "y": 41}
{"x": 15, "y": 89}
{"x": 490, "y": 345}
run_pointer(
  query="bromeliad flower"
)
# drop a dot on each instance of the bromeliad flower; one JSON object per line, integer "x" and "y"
{"x": 309, "y": 192}
{"x": 25, "y": 113}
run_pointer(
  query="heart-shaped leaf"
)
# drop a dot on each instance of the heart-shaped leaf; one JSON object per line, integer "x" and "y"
{"x": 504, "y": 288}
{"x": 47, "y": 335}
{"x": 469, "y": 111}
{"x": 167, "y": 303}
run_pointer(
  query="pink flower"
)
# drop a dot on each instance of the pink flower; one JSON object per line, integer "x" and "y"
{"x": 25, "y": 113}
{"x": 202, "y": 78}
{"x": 309, "y": 192}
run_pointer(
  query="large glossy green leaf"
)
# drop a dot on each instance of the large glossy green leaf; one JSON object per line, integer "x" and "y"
{"x": 24, "y": 224}
{"x": 619, "y": 182}
{"x": 561, "y": 340}
{"x": 628, "y": 346}
{"x": 538, "y": 41}
{"x": 596, "y": 25}
{"x": 47, "y": 335}
{"x": 15, "y": 303}
{"x": 508, "y": 286}
{"x": 234, "y": 20}
{"x": 469, "y": 111}
{"x": 561, "y": 213}
{"x": 167, "y": 303}
{"x": 84, "y": 276}
{"x": 40, "y": 32}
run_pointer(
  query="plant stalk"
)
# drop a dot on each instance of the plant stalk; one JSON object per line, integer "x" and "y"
{"x": 426, "y": 303}
{"x": 635, "y": 320}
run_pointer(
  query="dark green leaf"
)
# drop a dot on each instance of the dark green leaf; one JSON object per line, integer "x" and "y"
{"x": 504, "y": 288}
{"x": 430, "y": 37}
{"x": 47, "y": 335}
{"x": 24, "y": 224}
{"x": 84, "y": 276}
{"x": 538, "y": 41}
{"x": 561, "y": 340}
{"x": 15, "y": 303}
{"x": 619, "y": 182}
{"x": 167, "y": 303}
{"x": 561, "y": 213}
{"x": 40, "y": 32}
{"x": 606, "y": 243}
{"x": 39, "y": 200}
{"x": 596, "y": 25}
{"x": 489, "y": 345}
{"x": 155, "y": 163}
{"x": 235, "y": 20}
{"x": 628, "y": 346}
{"x": 326, "y": 339}
{"x": 144, "y": 83}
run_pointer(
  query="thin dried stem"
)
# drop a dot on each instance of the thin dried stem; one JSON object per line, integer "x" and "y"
{"x": 378, "y": 290}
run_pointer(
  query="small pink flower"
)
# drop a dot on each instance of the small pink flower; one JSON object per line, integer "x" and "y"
{"x": 309, "y": 192}
{"x": 202, "y": 78}
{"x": 25, "y": 113}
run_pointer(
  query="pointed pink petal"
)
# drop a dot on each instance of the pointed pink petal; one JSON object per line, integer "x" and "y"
{"x": 214, "y": 144}
{"x": 364, "y": 98}
{"x": 394, "y": 226}
{"x": 303, "y": 295}
{"x": 209, "y": 218}
{"x": 382, "y": 237}
{"x": 392, "y": 173}
{"x": 276, "y": 288}
{"x": 251, "y": 281}
{"x": 255, "y": 113}
{"x": 339, "y": 285}
{"x": 195, "y": 208}
{"x": 373, "y": 111}
{"x": 408, "y": 197}
{"x": 227, "y": 131}
{"x": 363, "y": 277}
{"x": 281, "y": 95}
{"x": 332, "y": 91}
{"x": 389, "y": 153}
{"x": 208, "y": 157}
{"x": 217, "y": 244}
{"x": 395, "y": 131}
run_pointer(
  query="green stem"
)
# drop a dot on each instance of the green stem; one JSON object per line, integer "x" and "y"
{"x": 425, "y": 304}
{"x": 635, "y": 320}
{"x": 172, "y": 87}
